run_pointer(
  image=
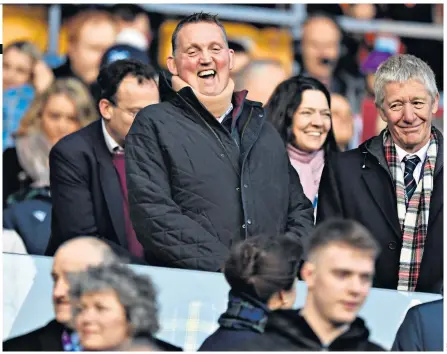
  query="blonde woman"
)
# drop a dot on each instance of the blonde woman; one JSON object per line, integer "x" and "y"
{"x": 65, "y": 107}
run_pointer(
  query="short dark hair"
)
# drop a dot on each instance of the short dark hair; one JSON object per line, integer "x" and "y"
{"x": 263, "y": 265}
{"x": 111, "y": 76}
{"x": 342, "y": 231}
{"x": 127, "y": 12}
{"x": 196, "y": 18}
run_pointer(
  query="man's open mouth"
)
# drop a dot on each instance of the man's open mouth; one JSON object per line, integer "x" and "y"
{"x": 205, "y": 74}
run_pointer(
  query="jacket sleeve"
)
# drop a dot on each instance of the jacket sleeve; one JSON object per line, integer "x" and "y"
{"x": 409, "y": 335}
{"x": 164, "y": 231}
{"x": 72, "y": 213}
{"x": 300, "y": 218}
{"x": 329, "y": 201}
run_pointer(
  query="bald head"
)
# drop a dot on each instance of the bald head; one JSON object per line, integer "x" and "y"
{"x": 87, "y": 249}
{"x": 320, "y": 47}
{"x": 253, "y": 79}
{"x": 75, "y": 255}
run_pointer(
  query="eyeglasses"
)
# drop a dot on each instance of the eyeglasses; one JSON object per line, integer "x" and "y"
{"x": 130, "y": 113}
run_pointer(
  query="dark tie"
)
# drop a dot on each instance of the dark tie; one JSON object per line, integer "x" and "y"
{"x": 410, "y": 182}
{"x": 134, "y": 245}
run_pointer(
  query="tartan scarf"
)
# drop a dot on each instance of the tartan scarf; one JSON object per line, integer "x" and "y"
{"x": 413, "y": 219}
{"x": 244, "y": 312}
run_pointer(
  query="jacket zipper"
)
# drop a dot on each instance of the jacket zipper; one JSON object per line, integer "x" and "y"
{"x": 214, "y": 133}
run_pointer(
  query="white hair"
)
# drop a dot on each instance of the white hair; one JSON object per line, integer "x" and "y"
{"x": 401, "y": 68}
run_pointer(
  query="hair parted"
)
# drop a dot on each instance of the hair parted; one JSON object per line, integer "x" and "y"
{"x": 401, "y": 68}
{"x": 135, "y": 292}
{"x": 196, "y": 18}
{"x": 344, "y": 232}
{"x": 111, "y": 76}
{"x": 286, "y": 99}
{"x": 263, "y": 265}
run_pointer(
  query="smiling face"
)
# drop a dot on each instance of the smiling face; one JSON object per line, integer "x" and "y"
{"x": 101, "y": 321}
{"x": 311, "y": 121}
{"x": 202, "y": 58}
{"x": 408, "y": 111}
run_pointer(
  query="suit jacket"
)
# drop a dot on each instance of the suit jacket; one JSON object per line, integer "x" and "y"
{"x": 46, "y": 339}
{"x": 86, "y": 193}
{"x": 422, "y": 329}
{"x": 357, "y": 185}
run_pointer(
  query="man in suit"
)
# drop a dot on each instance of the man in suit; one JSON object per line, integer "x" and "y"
{"x": 87, "y": 176}
{"x": 73, "y": 256}
{"x": 393, "y": 183}
{"x": 422, "y": 329}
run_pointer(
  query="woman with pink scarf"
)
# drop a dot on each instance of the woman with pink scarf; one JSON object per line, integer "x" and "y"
{"x": 300, "y": 110}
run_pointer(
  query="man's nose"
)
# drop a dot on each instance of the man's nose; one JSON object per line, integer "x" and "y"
{"x": 409, "y": 115}
{"x": 205, "y": 58}
{"x": 60, "y": 289}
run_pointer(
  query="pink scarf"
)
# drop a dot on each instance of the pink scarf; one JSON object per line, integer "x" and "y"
{"x": 309, "y": 167}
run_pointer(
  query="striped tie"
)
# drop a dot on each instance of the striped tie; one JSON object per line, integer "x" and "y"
{"x": 410, "y": 182}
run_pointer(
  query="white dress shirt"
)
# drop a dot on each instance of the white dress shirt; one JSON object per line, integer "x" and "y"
{"x": 112, "y": 145}
{"x": 422, "y": 154}
{"x": 222, "y": 117}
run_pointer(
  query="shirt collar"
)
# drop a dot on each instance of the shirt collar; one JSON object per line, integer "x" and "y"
{"x": 112, "y": 145}
{"x": 222, "y": 117}
{"x": 422, "y": 153}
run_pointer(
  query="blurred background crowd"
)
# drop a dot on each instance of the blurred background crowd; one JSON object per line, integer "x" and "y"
{"x": 52, "y": 58}
{"x": 341, "y": 45}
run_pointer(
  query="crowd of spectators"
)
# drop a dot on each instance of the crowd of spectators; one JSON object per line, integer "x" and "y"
{"x": 317, "y": 174}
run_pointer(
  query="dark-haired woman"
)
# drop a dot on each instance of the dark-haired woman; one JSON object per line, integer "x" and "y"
{"x": 262, "y": 274}
{"x": 300, "y": 110}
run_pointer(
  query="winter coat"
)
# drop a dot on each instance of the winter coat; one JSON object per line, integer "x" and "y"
{"x": 357, "y": 184}
{"x": 243, "y": 321}
{"x": 196, "y": 188}
{"x": 287, "y": 330}
{"x": 422, "y": 329}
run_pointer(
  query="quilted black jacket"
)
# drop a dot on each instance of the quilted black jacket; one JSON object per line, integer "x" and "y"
{"x": 194, "y": 190}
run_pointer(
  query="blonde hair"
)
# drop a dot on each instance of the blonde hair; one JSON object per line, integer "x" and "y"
{"x": 75, "y": 90}
{"x": 77, "y": 22}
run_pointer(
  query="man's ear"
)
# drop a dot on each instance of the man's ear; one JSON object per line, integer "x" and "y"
{"x": 105, "y": 108}
{"x": 382, "y": 114}
{"x": 308, "y": 273}
{"x": 172, "y": 66}
{"x": 231, "y": 53}
{"x": 434, "y": 107}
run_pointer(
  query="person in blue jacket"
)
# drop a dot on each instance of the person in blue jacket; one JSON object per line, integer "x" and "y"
{"x": 422, "y": 328}
{"x": 262, "y": 272}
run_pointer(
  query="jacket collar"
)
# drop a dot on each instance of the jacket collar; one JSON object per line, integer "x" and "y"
{"x": 244, "y": 312}
{"x": 186, "y": 97}
{"x": 51, "y": 340}
{"x": 374, "y": 146}
{"x": 291, "y": 324}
